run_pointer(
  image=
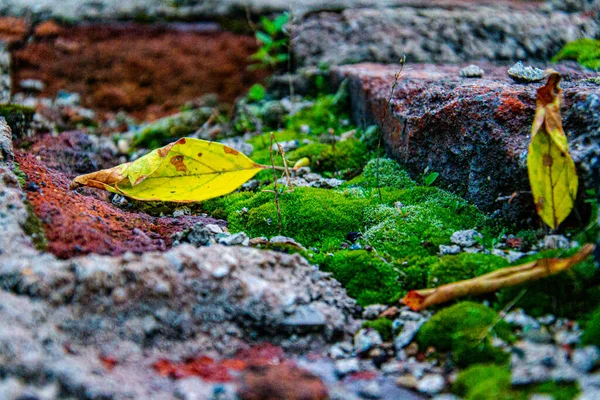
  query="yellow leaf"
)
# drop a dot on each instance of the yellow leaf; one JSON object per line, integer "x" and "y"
{"x": 188, "y": 170}
{"x": 552, "y": 173}
{"x": 303, "y": 162}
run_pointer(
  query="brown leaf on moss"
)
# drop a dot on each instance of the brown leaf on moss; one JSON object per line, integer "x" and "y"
{"x": 499, "y": 279}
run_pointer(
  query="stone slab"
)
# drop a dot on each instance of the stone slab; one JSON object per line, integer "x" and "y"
{"x": 505, "y": 32}
{"x": 474, "y": 132}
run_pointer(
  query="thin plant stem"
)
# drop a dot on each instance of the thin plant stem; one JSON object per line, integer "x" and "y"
{"x": 397, "y": 77}
{"x": 275, "y": 184}
{"x": 502, "y": 314}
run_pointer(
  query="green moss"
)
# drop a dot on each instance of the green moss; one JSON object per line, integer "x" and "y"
{"x": 405, "y": 231}
{"x": 350, "y": 154}
{"x": 591, "y": 333}
{"x": 483, "y": 382}
{"x": 567, "y": 294}
{"x": 34, "y": 229}
{"x": 168, "y": 129}
{"x": 17, "y": 117}
{"x": 491, "y": 382}
{"x": 21, "y": 176}
{"x": 390, "y": 175}
{"x": 328, "y": 113}
{"x": 463, "y": 266}
{"x": 585, "y": 51}
{"x": 220, "y": 207}
{"x": 410, "y": 229}
{"x": 415, "y": 271}
{"x": 366, "y": 277}
{"x": 381, "y": 325}
{"x": 311, "y": 216}
{"x": 464, "y": 330}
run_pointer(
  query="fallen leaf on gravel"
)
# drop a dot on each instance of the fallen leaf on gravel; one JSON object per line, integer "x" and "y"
{"x": 552, "y": 173}
{"x": 502, "y": 278}
{"x": 188, "y": 170}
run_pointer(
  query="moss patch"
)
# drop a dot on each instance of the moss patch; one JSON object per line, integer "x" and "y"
{"x": 491, "y": 382}
{"x": 464, "y": 330}
{"x": 591, "y": 334}
{"x": 21, "y": 176}
{"x": 405, "y": 227}
{"x": 314, "y": 217}
{"x": 388, "y": 172}
{"x": 366, "y": 277}
{"x": 381, "y": 325}
{"x": 34, "y": 229}
{"x": 463, "y": 266}
{"x": 415, "y": 221}
{"x": 350, "y": 154}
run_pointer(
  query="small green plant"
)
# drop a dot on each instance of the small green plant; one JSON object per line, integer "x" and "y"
{"x": 274, "y": 43}
{"x": 429, "y": 179}
{"x": 257, "y": 92}
{"x": 585, "y": 51}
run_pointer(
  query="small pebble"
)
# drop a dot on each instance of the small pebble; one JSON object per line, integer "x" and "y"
{"x": 472, "y": 71}
{"x": 520, "y": 73}
{"x": 431, "y": 384}
{"x": 366, "y": 339}
{"x": 347, "y": 366}
{"x": 465, "y": 238}
{"x": 584, "y": 360}
{"x": 371, "y": 390}
{"x": 407, "y": 381}
{"x": 449, "y": 250}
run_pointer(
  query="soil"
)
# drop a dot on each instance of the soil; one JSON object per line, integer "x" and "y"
{"x": 146, "y": 70}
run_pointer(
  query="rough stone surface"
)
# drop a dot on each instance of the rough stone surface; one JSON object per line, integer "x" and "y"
{"x": 434, "y": 34}
{"x": 474, "y": 132}
{"x": 4, "y": 74}
{"x": 188, "y": 9}
{"x": 95, "y": 325}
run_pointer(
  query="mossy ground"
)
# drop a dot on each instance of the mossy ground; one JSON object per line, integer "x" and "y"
{"x": 493, "y": 382}
{"x": 591, "y": 334}
{"x": 381, "y": 325}
{"x": 466, "y": 329}
{"x": 402, "y": 229}
{"x": 400, "y": 223}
